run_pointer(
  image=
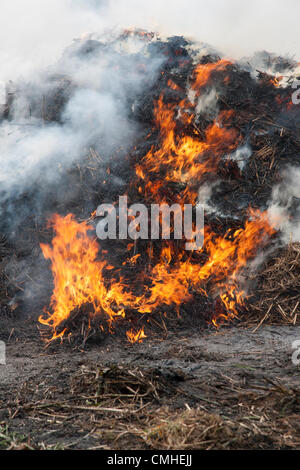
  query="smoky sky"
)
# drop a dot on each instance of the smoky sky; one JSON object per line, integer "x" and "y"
{"x": 33, "y": 32}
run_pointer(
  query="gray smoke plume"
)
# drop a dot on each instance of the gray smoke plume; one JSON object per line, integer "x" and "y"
{"x": 284, "y": 208}
{"x": 57, "y": 115}
{"x": 34, "y": 32}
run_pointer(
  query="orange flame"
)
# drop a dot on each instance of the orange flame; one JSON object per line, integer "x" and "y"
{"x": 136, "y": 337}
{"x": 225, "y": 260}
{"x": 203, "y": 72}
{"x": 183, "y": 158}
{"x": 80, "y": 278}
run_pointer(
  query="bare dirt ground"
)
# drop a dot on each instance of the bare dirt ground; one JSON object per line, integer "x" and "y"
{"x": 230, "y": 388}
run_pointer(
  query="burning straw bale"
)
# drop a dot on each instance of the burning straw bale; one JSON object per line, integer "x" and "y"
{"x": 279, "y": 287}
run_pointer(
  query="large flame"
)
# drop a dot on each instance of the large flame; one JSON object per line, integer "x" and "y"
{"x": 79, "y": 278}
{"x": 176, "y": 276}
{"x": 183, "y": 158}
{"x": 78, "y": 275}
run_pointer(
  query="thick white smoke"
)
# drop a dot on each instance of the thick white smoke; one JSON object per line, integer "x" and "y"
{"x": 235, "y": 27}
{"x": 34, "y": 32}
{"x": 35, "y": 148}
{"x": 284, "y": 206}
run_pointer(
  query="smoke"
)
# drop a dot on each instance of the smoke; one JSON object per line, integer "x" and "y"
{"x": 241, "y": 156}
{"x": 56, "y": 115}
{"x": 284, "y": 207}
{"x": 235, "y": 27}
{"x": 35, "y": 32}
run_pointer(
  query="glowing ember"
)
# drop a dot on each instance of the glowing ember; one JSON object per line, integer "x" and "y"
{"x": 203, "y": 72}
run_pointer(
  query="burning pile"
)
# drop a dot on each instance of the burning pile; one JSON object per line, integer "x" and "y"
{"x": 211, "y": 133}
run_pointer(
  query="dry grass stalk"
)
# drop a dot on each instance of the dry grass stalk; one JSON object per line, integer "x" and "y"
{"x": 279, "y": 287}
{"x": 187, "y": 429}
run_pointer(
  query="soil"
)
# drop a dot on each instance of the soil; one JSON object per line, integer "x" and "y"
{"x": 245, "y": 378}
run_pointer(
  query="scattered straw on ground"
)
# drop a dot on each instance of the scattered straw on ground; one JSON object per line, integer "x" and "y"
{"x": 119, "y": 408}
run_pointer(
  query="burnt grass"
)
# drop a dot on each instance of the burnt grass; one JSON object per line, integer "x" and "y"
{"x": 188, "y": 385}
{"x": 225, "y": 389}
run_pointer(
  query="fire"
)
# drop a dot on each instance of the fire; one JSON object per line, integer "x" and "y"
{"x": 203, "y": 72}
{"x": 182, "y": 157}
{"x": 276, "y": 81}
{"x": 79, "y": 276}
{"x": 136, "y": 337}
{"x": 226, "y": 257}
